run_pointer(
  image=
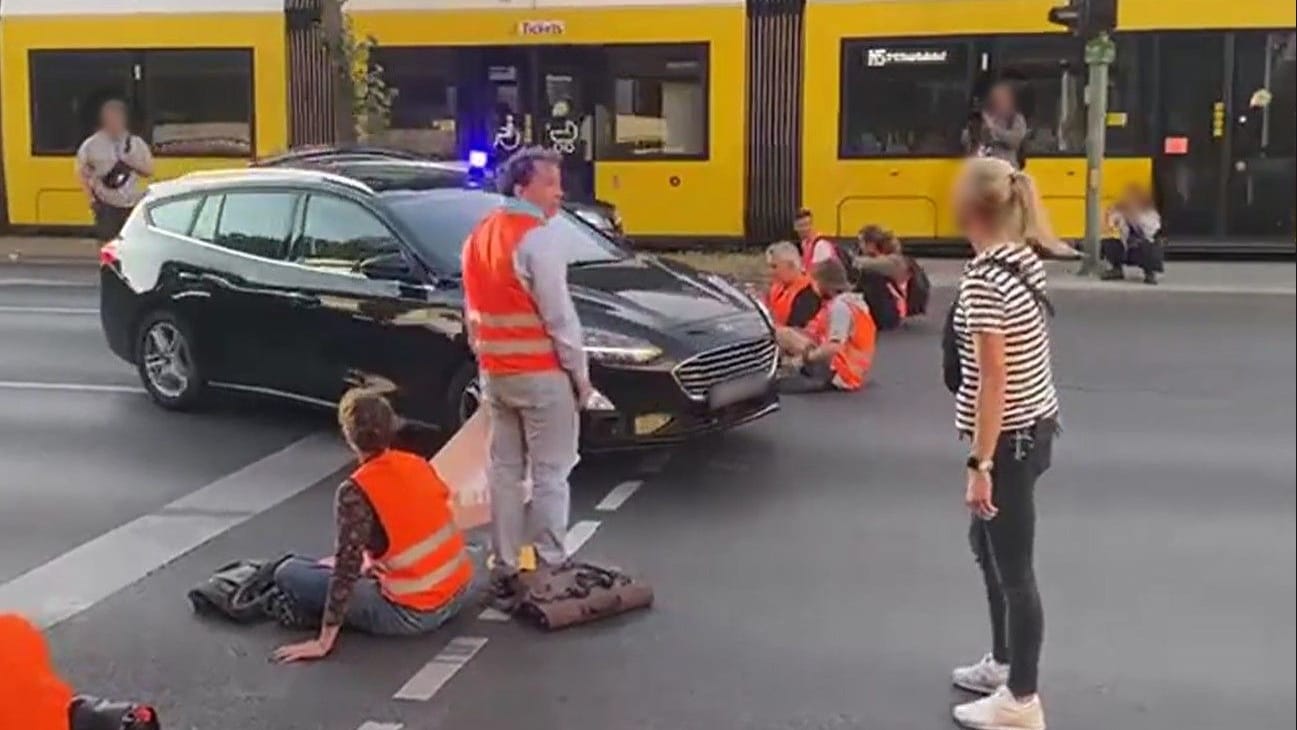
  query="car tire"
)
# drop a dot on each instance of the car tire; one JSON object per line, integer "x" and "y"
{"x": 166, "y": 362}
{"x": 463, "y": 395}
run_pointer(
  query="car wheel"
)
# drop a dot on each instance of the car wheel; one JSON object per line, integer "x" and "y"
{"x": 164, "y": 353}
{"x": 464, "y": 396}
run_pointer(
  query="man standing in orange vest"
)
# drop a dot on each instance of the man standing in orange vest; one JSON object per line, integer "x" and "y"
{"x": 523, "y": 327}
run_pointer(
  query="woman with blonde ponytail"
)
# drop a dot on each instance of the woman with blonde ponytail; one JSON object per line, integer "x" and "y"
{"x": 1007, "y": 408}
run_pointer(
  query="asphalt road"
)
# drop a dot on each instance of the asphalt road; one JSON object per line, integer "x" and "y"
{"x": 812, "y": 570}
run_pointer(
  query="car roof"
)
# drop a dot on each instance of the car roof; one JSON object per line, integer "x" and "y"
{"x": 233, "y": 177}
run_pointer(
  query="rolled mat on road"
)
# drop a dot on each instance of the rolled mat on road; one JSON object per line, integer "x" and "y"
{"x": 580, "y": 593}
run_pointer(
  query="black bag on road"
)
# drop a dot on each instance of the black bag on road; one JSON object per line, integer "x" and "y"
{"x": 92, "y": 713}
{"x": 241, "y": 591}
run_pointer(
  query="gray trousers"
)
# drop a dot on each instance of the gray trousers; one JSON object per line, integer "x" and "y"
{"x": 535, "y": 424}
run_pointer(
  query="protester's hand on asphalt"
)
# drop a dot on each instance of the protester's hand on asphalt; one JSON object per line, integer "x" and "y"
{"x": 304, "y": 652}
{"x": 978, "y": 495}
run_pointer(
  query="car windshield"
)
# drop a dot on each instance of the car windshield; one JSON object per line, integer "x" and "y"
{"x": 440, "y": 220}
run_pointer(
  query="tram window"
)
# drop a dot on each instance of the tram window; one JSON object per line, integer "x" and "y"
{"x": 426, "y": 102}
{"x": 658, "y": 106}
{"x": 199, "y": 102}
{"x": 67, "y": 89}
{"x": 1049, "y": 76}
{"x": 906, "y": 99}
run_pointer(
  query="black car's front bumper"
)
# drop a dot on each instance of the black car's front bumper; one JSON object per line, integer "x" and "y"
{"x": 652, "y": 410}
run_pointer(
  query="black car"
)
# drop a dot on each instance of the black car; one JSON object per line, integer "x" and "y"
{"x": 301, "y": 283}
{"x": 386, "y": 169}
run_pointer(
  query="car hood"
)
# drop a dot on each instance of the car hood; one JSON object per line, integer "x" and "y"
{"x": 653, "y": 292}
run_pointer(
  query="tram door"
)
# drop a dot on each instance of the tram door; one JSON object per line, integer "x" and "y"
{"x": 1225, "y": 166}
{"x": 537, "y": 96}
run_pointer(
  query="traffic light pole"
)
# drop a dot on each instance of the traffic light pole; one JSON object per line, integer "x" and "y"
{"x": 1100, "y": 52}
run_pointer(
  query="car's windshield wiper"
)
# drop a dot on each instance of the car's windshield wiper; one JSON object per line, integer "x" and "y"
{"x": 589, "y": 262}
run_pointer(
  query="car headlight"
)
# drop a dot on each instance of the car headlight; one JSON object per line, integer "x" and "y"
{"x": 614, "y": 347}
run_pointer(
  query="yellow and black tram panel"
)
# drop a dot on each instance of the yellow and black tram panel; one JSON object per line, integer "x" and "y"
{"x": 204, "y": 79}
{"x": 644, "y": 101}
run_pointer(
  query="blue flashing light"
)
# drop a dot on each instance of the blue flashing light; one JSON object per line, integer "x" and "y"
{"x": 477, "y": 159}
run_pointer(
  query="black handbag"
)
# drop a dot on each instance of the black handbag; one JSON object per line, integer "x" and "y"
{"x": 952, "y": 370}
{"x": 242, "y": 591}
{"x": 120, "y": 172}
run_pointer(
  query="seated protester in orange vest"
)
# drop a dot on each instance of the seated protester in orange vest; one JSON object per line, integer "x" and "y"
{"x": 884, "y": 276}
{"x": 401, "y": 565}
{"x": 32, "y": 696}
{"x": 792, "y": 298}
{"x": 837, "y": 348}
{"x": 814, "y": 247}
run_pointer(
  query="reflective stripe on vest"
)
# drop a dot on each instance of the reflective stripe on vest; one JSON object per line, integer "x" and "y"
{"x": 509, "y": 336}
{"x": 851, "y": 365}
{"x": 426, "y": 565}
{"x": 783, "y": 296}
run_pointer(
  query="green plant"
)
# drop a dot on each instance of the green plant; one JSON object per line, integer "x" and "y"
{"x": 363, "y": 100}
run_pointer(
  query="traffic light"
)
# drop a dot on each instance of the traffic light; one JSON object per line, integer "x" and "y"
{"x": 1086, "y": 18}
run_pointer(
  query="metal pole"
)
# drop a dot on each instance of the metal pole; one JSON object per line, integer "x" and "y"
{"x": 1100, "y": 52}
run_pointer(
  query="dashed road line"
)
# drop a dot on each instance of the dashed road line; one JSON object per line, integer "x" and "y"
{"x": 437, "y": 672}
{"x": 618, "y": 496}
{"x": 14, "y": 309}
{"x": 493, "y": 614}
{"x": 371, "y": 725}
{"x": 578, "y": 534}
{"x": 69, "y": 387}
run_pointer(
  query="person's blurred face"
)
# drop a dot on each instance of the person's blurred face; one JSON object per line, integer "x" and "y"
{"x": 545, "y": 190}
{"x": 1001, "y": 101}
{"x": 112, "y": 118}
{"x": 869, "y": 247}
{"x": 804, "y": 227}
{"x": 783, "y": 272}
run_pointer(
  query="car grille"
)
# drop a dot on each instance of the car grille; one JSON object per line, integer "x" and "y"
{"x": 699, "y": 373}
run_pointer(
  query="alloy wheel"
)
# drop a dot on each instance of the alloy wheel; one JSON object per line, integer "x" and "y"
{"x": 167, "y": 362}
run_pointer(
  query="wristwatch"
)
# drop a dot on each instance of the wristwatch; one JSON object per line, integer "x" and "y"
{"x": 982, "y": 465}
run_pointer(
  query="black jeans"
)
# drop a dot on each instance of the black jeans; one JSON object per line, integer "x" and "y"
{"x": 109, "y": 220}
{"x": 1004, "y": 548}
{"x": 1145, "y": 254}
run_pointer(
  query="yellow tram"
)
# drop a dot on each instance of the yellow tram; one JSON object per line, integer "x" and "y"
{"x": 700, "y": 119}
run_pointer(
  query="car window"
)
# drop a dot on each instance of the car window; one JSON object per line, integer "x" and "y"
{"x": 441, "y": 220}
{"x": 338, "y": 233}
{"x": 205, "y": 223}
{"x": 175, "y": 216}
{"x": 256, "y": 223}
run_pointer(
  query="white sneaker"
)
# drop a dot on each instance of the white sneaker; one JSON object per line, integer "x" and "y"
{"x": 985, "y": 676}
{"x": 1001, "y": 711}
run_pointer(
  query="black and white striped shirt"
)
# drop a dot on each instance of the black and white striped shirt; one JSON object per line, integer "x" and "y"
{"x": 992, "y": 299}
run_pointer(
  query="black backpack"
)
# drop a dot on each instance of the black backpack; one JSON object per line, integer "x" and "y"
{"x": 952, "y": 370}
{"x": 242, "y": 591}
{"x": 919, "y": 289}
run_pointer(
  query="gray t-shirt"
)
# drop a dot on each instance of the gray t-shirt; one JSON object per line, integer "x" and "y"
{"x": 840, "y": 318}
{"x": 100, "y": 153}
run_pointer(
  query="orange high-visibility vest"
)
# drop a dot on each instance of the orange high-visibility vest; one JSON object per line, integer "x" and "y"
{"x": 781, "y": 297}
{"x": 32, "y": 697}
{"x": 851, "y": 365}
{"x": 509, "y": 336}
{"x": 808, "y": 250}
{"x": 425, "y": 565}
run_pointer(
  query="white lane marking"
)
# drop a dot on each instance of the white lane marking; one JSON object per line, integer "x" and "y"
{"x": 618, "y": 496}
{"x": 71, "y": 387}
{"x": 13, "y": 309}
{"x": 85, "y": 575}
{"x": 371, "y": 725}
{"x": 578, "y": 534}
{"x": 437, "y": 672}
{"x": 493, "y": 614}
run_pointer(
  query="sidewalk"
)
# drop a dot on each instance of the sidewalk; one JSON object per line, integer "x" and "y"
{"x": 48, "y": 250}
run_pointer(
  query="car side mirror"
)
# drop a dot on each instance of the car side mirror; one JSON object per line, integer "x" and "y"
{"x": 390, "y": 266}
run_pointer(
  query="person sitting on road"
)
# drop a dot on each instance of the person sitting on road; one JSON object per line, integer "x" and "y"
{"x": 883, "y": 276}
{"x": 1134, "y": 225}
{"x": 836, "y": 350}
{"x": 792, "y": 298}
{"x": 401, "y": 566}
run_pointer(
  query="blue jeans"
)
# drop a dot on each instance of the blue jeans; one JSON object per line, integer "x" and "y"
{"x": 306, "y": 584}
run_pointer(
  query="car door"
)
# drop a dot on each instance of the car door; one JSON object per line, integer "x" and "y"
{"x": 379, "y": 321}
{"x": 249, "y": 294}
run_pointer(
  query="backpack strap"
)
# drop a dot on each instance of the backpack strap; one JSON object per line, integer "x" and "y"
{"x": 1017, "y": 274}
